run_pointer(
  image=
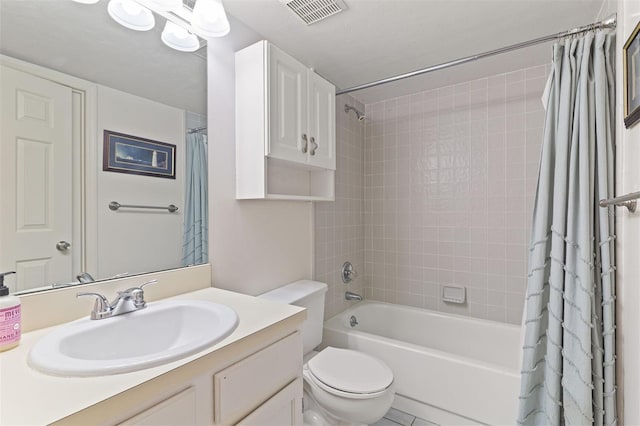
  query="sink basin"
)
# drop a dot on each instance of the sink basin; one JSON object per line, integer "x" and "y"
{"x": 160, "y": 333}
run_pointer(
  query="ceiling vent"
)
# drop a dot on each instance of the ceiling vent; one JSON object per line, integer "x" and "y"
{"x": 312, "y": 11}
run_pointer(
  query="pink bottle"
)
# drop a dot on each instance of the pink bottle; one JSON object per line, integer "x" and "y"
{"x": 9, "y": 317}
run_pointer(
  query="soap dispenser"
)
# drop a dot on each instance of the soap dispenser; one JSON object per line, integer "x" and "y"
{"x": 9, "y": 317}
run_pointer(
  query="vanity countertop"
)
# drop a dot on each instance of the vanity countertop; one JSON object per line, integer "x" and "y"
{"x": 29, "y": 397}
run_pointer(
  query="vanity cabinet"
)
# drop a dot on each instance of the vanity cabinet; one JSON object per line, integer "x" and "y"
{"x": 285, "y": 127}
{"x": 283, "y": 409}
{"x": 254, "y": 384}
{"x": 262, "y": 387}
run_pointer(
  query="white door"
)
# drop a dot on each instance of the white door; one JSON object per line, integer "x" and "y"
{"x": 322, "y": 128}
{"x": 35, "y": 179}
{"x": 288, "y": 139}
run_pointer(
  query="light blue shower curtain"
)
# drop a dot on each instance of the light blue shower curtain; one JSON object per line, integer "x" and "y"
{"x": 568, "y": 373}
{"x": 195, "y": 248}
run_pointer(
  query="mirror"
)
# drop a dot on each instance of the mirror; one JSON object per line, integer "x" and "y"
{"x": 111, "y": 78}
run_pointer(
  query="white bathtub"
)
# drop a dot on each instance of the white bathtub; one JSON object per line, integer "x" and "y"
{"x": 448, "y": 369}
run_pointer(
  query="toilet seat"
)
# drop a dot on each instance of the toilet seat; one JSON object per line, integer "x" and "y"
{"x": 349, "y": 373}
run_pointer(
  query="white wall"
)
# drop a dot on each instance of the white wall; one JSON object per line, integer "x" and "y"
{"x": 254, "y": 246}
{"x": 139, "y": 240}
{"x": 628, "y": 238}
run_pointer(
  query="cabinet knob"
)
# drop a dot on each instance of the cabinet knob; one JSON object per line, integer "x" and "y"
{"x": 314, "y": 146}
{"x": 306, "y": 143}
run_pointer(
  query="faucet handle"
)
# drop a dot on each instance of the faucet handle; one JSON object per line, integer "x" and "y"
{"x": 101, "y": 308}
{"x": 137, "y": 294}
{"x": 147, "y": 283}
{"x": 347, "y": 272}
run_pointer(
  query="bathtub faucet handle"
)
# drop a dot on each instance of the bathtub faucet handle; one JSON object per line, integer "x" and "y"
{"x": 348, "y": 272}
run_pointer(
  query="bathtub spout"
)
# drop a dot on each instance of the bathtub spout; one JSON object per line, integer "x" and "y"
{"x": 352, "y": 296}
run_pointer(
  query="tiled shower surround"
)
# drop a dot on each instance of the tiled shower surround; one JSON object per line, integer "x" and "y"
{"x": 448, "y": 188}
{"x": 339, "y": 226}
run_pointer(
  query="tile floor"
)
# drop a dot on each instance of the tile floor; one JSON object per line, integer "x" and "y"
{"x": 396, "y": 417}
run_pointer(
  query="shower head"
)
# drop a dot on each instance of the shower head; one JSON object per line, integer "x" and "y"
{"x": 348, "y": 107}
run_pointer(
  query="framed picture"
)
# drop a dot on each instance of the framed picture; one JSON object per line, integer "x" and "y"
{"x": 138, "y": 156}
{"x": 631, "y": 59}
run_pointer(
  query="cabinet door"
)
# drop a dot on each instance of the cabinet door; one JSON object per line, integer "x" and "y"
{"x": 287, "y": 108}
{"x": 244, "y": 386}
{"x": 283, "y": 409}
{"x": 322, "y": 124}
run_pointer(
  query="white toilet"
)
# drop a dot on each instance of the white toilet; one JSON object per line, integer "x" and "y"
{"x": 341, "y": 386}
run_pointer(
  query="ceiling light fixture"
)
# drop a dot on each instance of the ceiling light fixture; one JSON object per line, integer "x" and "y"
{"x": 179, "y": 38}
{"x": 166, "y": 4}
{"x": 131, "y": 14}
{"x": 207, "y": 19}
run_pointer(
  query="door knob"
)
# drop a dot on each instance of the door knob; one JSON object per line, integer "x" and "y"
{"x": 63, "y": 246}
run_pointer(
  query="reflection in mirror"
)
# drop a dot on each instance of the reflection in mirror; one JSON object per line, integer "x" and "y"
{"x": 69, "y": 72}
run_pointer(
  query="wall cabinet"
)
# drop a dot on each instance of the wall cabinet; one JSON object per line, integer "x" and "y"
{"x": 285, "y": 127}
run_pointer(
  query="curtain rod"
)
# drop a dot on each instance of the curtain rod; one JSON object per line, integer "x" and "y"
{"x": 196, "y": 130}
{"x": 610, "y": 22}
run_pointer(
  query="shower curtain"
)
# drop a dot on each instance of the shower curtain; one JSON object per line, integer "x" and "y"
{"x": 568, "y": 373}
{"x": 195, "y": 248}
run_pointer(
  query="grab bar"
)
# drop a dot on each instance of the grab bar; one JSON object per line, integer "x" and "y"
{"x": 114, "y": 205}
{"x": 628, "y": 201}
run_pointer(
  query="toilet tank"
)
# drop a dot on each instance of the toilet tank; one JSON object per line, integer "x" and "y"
{"x": 308, "y": 294}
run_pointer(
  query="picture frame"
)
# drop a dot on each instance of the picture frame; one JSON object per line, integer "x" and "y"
{"x": 139, "y": 156}
{"x": 631, "y": 70}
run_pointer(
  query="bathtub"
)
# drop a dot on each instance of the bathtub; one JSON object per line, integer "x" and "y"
{"x": 448, "y": 369}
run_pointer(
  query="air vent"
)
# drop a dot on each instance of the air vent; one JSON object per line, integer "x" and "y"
{"x": 312, "y": 11}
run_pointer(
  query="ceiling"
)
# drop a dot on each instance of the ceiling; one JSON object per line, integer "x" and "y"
{"x": 372, "y": 39}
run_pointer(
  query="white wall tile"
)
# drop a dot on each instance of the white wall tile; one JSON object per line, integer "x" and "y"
{"x": 468, "y": 157}
{"x": 436, "y": 188}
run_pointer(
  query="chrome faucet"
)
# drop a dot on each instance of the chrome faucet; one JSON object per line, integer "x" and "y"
{"x": 85, "y": 277}
{"x": 352, "y": 296}
{"x": 129, "y": 300}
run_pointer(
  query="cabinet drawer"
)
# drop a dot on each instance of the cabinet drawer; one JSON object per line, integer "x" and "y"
{"x": 247, "y": 384}
{"x": 283, "y": 409}
{"x": 177, "y": 409}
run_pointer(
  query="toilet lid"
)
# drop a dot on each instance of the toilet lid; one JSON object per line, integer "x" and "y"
{"x": 350, "y": 371}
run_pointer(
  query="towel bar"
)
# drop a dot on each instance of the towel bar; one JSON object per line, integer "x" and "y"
{"x": 628, "y": 201}
{"x": 114, "y": 205}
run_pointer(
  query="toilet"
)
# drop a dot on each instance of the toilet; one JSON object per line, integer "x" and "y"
{"x": 341, "y": 386}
